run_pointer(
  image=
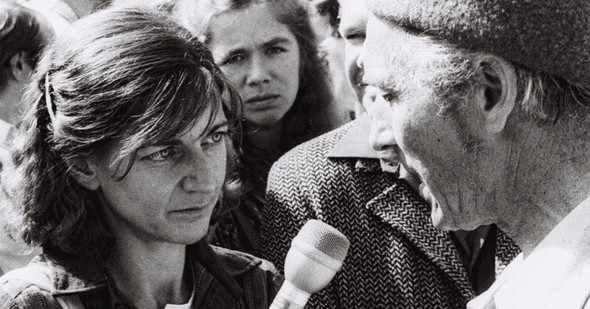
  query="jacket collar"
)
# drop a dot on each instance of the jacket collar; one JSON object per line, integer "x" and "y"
{"x": 400, "y": 206}
{"x": 355, "y": 142}
{"x": 86, "y": 271}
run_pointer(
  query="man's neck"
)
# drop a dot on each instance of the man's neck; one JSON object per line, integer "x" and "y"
{"x": 550, "y": 177}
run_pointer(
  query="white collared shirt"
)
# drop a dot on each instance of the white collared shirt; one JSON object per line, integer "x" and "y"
{"x": 555, "y": 275}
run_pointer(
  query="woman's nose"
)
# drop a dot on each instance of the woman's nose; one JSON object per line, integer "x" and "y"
{"x": 198, "y": 169}
{"x": 258, "y": 72}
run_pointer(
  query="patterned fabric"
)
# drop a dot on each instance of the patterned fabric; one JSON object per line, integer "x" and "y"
{"x": 397, "y": 258}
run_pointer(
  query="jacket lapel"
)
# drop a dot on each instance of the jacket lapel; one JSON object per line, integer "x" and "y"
{"x": 402, "y": 208}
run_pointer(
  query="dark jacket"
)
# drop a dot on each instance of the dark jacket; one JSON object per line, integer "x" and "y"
{"x": 397, "y": 258}
{"x": 223, "y": 279}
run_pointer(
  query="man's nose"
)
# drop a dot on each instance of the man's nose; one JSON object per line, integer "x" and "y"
{"x": 382, "y": 135}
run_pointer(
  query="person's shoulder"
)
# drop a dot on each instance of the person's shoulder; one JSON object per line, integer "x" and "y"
{"x": 315, "y": 148}
{"x": 25, "y": 288}
{"x": 237, "y": 262}
{"x": 23, "y": 295}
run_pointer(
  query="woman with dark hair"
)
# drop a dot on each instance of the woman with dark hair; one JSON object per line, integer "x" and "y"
{"x": 267, "y": 50}
{"x": 122, "y": 161}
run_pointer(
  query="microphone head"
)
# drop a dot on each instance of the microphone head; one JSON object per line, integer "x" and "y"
{"x": 325, "y": 238}
{"x": 316, "y": 254}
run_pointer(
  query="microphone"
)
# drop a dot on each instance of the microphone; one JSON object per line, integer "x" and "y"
{"x": 316, "y": 254}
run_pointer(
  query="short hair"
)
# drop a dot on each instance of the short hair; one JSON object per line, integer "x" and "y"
{"x": 310, "y": 115}
{"x": 124, "y": 74}
{"x": 21, "y": 30}
{"x": 452, "y": 72}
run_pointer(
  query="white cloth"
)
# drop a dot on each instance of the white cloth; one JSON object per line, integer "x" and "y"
{"x": 555, "y": 275}
{"x": 188, "y": 305}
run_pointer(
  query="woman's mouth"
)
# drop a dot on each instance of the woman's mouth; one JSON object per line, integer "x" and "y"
{"x": 261, "y": 98}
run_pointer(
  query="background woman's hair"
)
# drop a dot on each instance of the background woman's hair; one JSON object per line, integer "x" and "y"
{"x": 125, "y": 75}
{"x": 311, "y": 114}
{"x": 21, "y": 30}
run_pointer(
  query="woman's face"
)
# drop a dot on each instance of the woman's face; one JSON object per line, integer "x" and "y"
{"x": 172, "y": 187}
{"x": 261, "y": 58}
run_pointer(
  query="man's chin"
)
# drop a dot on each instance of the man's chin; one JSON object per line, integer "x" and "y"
{"x": 438, "y": 218}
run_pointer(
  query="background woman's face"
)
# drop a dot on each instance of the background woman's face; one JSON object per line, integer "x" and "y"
{"x": 261, "y": 58}
{"x": 172, "y": 187}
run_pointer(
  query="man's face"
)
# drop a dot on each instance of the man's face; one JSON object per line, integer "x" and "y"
{"x": 352, "y": 28}
{"x": 407, "y": 117}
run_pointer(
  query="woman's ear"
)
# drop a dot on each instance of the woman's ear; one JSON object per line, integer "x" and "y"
{"x": 19, "y": 66}
{"x": 84, "y": 172}
{"x": 497, "y": 95}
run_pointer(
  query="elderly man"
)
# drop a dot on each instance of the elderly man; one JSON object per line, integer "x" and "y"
{"x": 397, "y": 259}
{"x": 489, "y": 103}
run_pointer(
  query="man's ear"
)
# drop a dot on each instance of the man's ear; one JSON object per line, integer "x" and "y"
{"x": 19, "y": 66}
{"x": 84, "y": 172}
{"x": 497, "y": 95}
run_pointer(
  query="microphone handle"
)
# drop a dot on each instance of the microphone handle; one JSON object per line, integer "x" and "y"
{"x": 290, "y": 297}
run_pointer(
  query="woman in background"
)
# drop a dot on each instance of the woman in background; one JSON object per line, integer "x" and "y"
{"x": 121, "y": 163}
{"x": 23, "y": 36}
{"x": 267, "y": 50}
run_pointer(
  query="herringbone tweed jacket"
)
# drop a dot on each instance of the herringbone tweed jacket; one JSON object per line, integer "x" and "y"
{"x": 397, "y": 258}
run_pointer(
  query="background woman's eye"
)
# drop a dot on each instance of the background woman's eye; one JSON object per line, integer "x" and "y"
{"x": 234, "y": 59}
{"x": 275, "y": 50}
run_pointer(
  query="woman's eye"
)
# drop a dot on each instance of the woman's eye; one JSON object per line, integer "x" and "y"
{"x": 275, "y": 50}
{"x": 163, "y": 154}
{"x": 233, "y": 59}
{"x": 216, "y": 137}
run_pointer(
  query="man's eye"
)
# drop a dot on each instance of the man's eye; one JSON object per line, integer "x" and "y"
{"x": 388, "y": 97}
{"x": 355, "y": 38}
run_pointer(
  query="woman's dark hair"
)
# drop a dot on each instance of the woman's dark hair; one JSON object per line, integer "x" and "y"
{"x": 127, "y": 75}
{"x": 21, "y": 30}
{"x": 311, "y": 114}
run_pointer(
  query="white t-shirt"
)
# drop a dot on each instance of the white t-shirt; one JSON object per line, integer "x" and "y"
{"x": 188, "y": 305}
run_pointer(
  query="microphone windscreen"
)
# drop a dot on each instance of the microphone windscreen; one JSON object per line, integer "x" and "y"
{"x": 316, "y": 254}
{"x": 325, "y": 238}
